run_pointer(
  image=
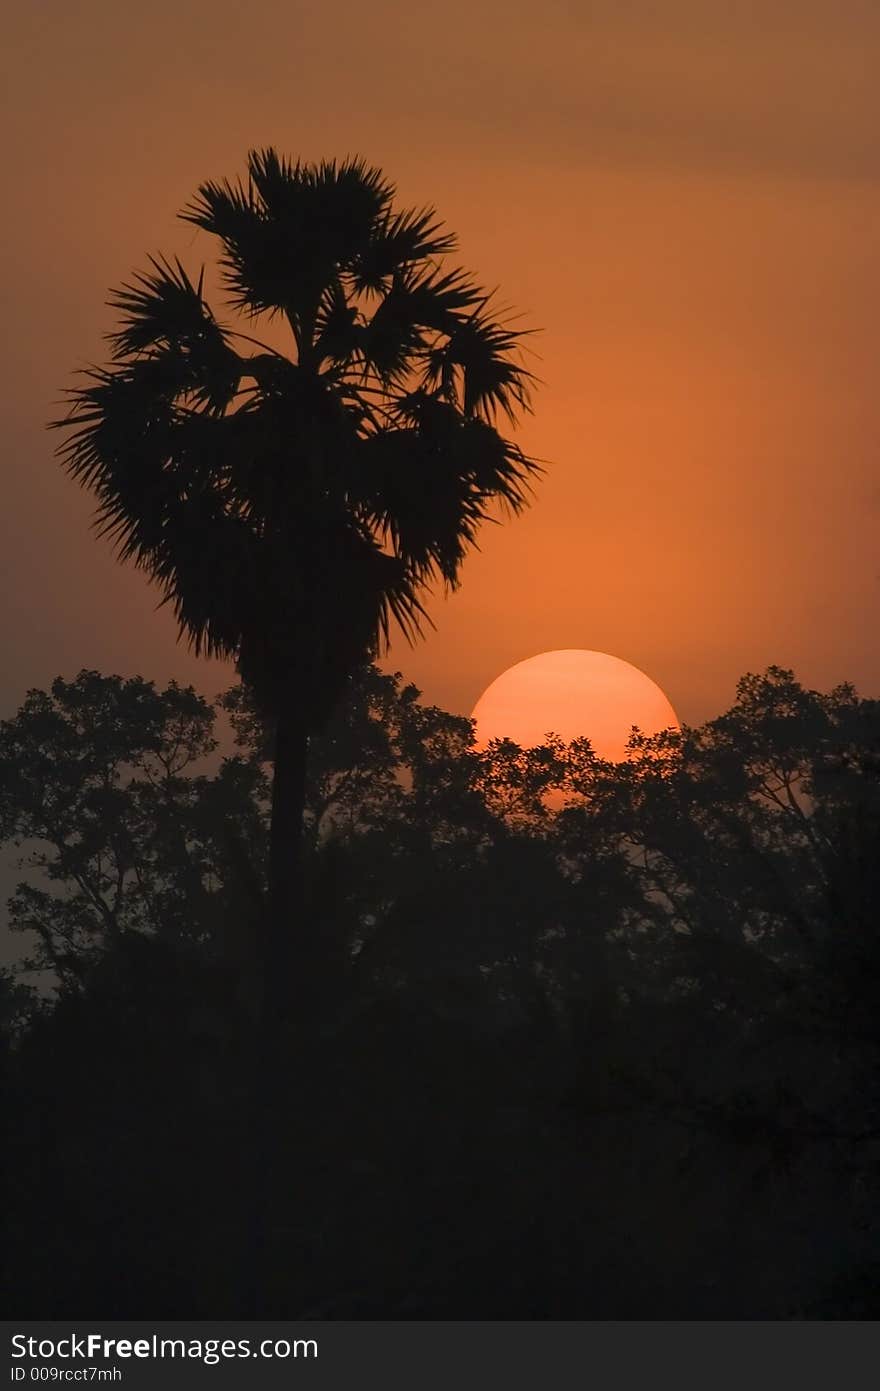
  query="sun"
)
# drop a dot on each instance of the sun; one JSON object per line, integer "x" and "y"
{"x": 573, "y": 693}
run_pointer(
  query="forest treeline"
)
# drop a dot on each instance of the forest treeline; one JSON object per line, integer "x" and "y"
{"x": 585, "y": 1040}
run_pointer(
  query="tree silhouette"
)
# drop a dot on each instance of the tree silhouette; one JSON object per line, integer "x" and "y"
{"x": 292, "y": 506}
{"x": 618, "y": 1058}
{"x": 124, "y": 832}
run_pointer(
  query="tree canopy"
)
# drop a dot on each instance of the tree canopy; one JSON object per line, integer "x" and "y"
{"x": 621, "y": 1053}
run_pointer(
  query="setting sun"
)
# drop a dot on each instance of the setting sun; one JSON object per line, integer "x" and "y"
{"x": 573, "y": 693}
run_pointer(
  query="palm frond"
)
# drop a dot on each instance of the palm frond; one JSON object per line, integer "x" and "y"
{"x": 291, "y": 229}
{"x": 426, "y": 487}
{"x": 498, "y": 469}
{"x": 224, "y": 208}
{"x": 401, "y": 606}
{"x": 399, "y": 240}
{"x": 439, "y": 299}
{"x": 349, "y": 196}
{"x": 165, "y": 317}
{"x": 337, "y": 330}
{"x": 208, "y": 570}
{"x": 483, "y": 354}
{"x": 119, "y": 421}
{"x": 233, "y": 212}
{"x": 391, "y": 336}
{"x": 293, "y": 508}
{"x": 414, "y": 308}
{"x": 159, "y": 307}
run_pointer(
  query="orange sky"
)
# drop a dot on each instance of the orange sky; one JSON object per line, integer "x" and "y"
{"x": 684, "y": 196}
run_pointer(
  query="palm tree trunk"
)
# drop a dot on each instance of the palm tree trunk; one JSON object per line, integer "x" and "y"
{"x": 286, "y": 928}
{"x": 285, "y": 968}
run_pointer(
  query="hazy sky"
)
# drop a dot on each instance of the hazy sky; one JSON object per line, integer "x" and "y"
{"x": 684, "y": 197}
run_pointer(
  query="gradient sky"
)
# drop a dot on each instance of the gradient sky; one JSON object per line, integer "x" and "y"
{"x": 684, "y": 196}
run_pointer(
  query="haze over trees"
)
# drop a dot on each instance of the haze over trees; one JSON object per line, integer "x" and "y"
{"x": 614, "y": 1059}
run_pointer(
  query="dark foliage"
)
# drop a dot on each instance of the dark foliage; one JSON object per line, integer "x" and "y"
{"x": 615, "y": 1059}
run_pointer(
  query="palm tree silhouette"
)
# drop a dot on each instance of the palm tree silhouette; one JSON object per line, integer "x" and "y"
{"x": 292, "y": 506}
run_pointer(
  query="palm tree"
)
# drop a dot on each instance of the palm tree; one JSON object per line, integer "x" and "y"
{"x": 292, "y": 506}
